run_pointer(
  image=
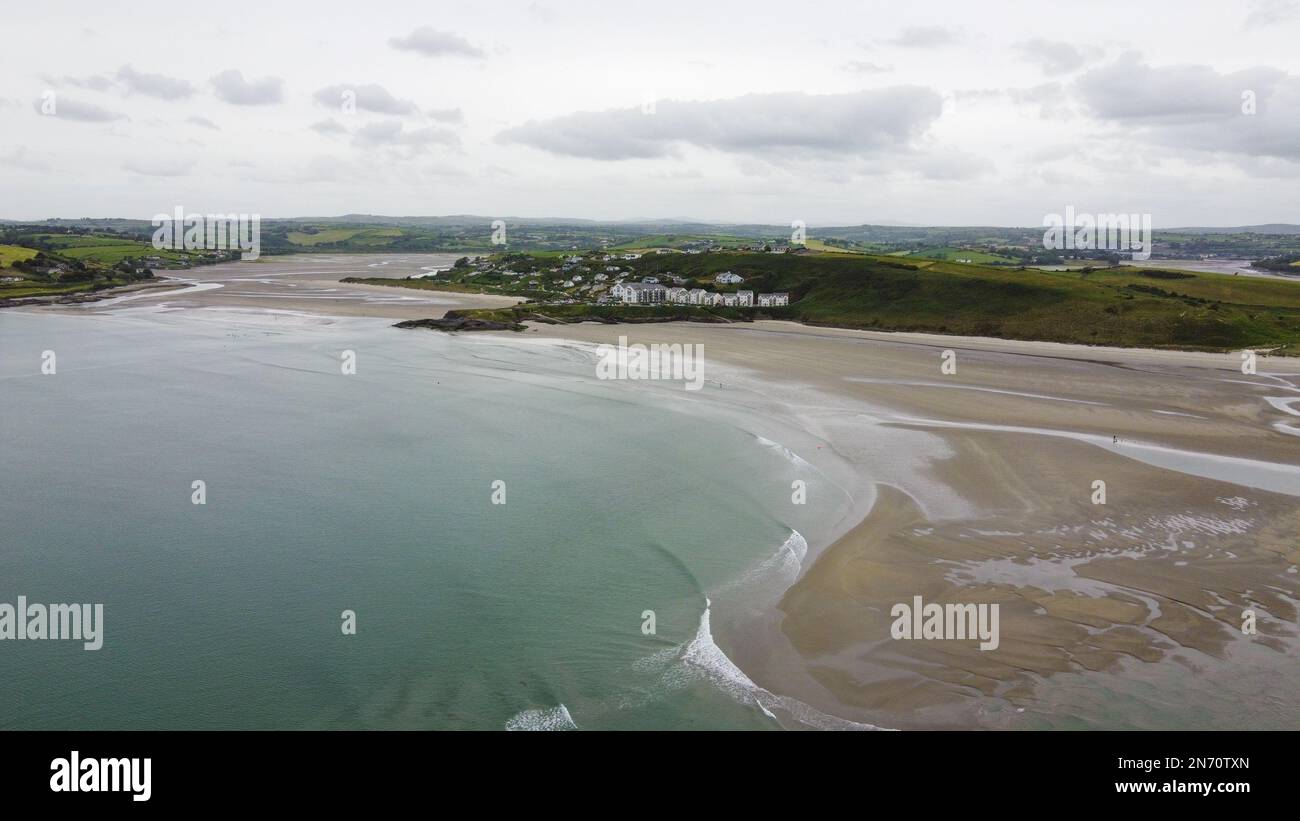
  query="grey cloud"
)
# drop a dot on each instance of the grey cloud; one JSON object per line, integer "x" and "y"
{"x": 925, "y": 37}
{"x": 1264, "y": 13}
{"x": 94, "y": 82}
{"x": 153, "y": 85}
{"x": 446, "y": 115}
{"x": 864, "y": 67}
{"x": 368, "y": 97}
{"x": 65, "y": 109}
{"x": 158, "y": 168}
{"x": 391, "y": 133}
{"x": 1056, "y": 57}
{"x": 231, "y": 87}
{"x": 203, "y": 122}
{"x": 854, "y": 123}
{"x": 1195, "y": 107}
{"x": 328, "y": 127}
{"x": 433, "y": 43}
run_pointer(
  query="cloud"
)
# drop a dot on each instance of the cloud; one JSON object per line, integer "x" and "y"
{"x": 368, "y": 97}
{"x": 1265, "y": 13}
{"x": 65, "y": 109}
{"x": 392, "y": 134}
{"x": 154, "y": 167}
{"x": 925, "y": 37}
{"x": 863, "y": 67}
{"x": 153, "y": 85}
{"x": 327, "y": 127}
{"x": 231, "y": 87}
{"x": 1052, "y": 99}
{"x": 446, "y": 115}
{"x": 203, "y": 122}
{"x": 1056, "y": 57}
{"x": 1194, "y": 107}
{"x": 433, "y": 43}
{"x": 854, "y": 123}
{"x": 94, "y": 82}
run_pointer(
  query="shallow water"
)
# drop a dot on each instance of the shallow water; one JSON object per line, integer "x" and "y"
{"x": 370, "y": 492}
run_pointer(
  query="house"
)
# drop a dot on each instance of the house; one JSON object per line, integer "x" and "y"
{"x": 773, "y": 300}
{"x": 745, "y": 299}
{"x": 639, "y": 293}
{"x": 727, "y": 300}
{"x": 602, "y": 277}
{"x": 727, "y": 278}
{"x": 577, "y": 278}
{"x": 650, "y": 280}
{"x": 695, "y": 296}
{"x": 678, "y": 296}
{"x": 631, "y": 256}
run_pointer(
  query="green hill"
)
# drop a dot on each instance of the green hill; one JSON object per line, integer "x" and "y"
{"x": 1115, "y": 306}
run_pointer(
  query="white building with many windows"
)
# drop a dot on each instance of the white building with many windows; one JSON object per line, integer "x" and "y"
{"x": 773, "y": 300}
{"x": 639, "y": 293}
{"x": 727, "y": 278}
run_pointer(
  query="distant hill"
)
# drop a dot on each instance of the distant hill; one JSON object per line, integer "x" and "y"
{"x": 1270, "y": 228}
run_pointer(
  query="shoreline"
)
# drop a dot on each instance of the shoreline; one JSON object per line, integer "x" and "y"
{"x": 988, "y": 507}
{"x": 1154, "y": 581}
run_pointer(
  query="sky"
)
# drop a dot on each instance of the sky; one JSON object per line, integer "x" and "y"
{"x": 926, "y": 112}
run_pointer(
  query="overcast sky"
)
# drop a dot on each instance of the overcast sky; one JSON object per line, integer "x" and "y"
{"x": 925, "y": 112}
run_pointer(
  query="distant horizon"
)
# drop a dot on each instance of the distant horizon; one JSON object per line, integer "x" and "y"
{"x": 636, "y": 221}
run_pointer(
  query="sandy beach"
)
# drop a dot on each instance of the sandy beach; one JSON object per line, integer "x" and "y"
{"x": 1200, "y": 468}
{"x": 973, "y": 487}
{"x": 308, "y": 283}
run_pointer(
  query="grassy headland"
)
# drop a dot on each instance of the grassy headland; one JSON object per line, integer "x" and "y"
{"x": 1128, "y": 307}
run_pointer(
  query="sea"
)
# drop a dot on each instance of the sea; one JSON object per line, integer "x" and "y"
{"x": 398, "y": 529}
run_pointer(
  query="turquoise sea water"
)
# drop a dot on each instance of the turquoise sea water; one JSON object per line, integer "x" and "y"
{"x": 369, "y": 492}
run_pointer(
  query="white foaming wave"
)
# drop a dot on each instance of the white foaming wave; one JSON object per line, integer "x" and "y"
{"x": 542, "y": 719}
{"x": 703, "y": 656}
{"x": 784, "y": 565}
{"x": 787, "y": 454}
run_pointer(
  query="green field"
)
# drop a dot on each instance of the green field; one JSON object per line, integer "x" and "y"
{"x": 9, "y": 254}
{"x": 954, "y": 254}
{"x": 353, "y": 236}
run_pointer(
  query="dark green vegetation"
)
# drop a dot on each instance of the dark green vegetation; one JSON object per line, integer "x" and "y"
{"x": 1105, "y": 306}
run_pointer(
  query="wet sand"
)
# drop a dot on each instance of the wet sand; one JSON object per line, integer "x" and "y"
{"x": 1140, "y": 598}
{"x": 307, "y": 284}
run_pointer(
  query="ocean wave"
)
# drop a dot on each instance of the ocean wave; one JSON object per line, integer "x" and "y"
{"x": 702, "y": 656}
{"x": 787, "y": 454}
{"x": 546, "y": 719}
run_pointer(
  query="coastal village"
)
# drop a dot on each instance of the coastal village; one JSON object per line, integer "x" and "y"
{"x": 609, "y": 279}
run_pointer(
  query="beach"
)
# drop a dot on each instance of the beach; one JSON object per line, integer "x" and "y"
{"x": 975, "y": 486}
{"x": 1199, "y": 521}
